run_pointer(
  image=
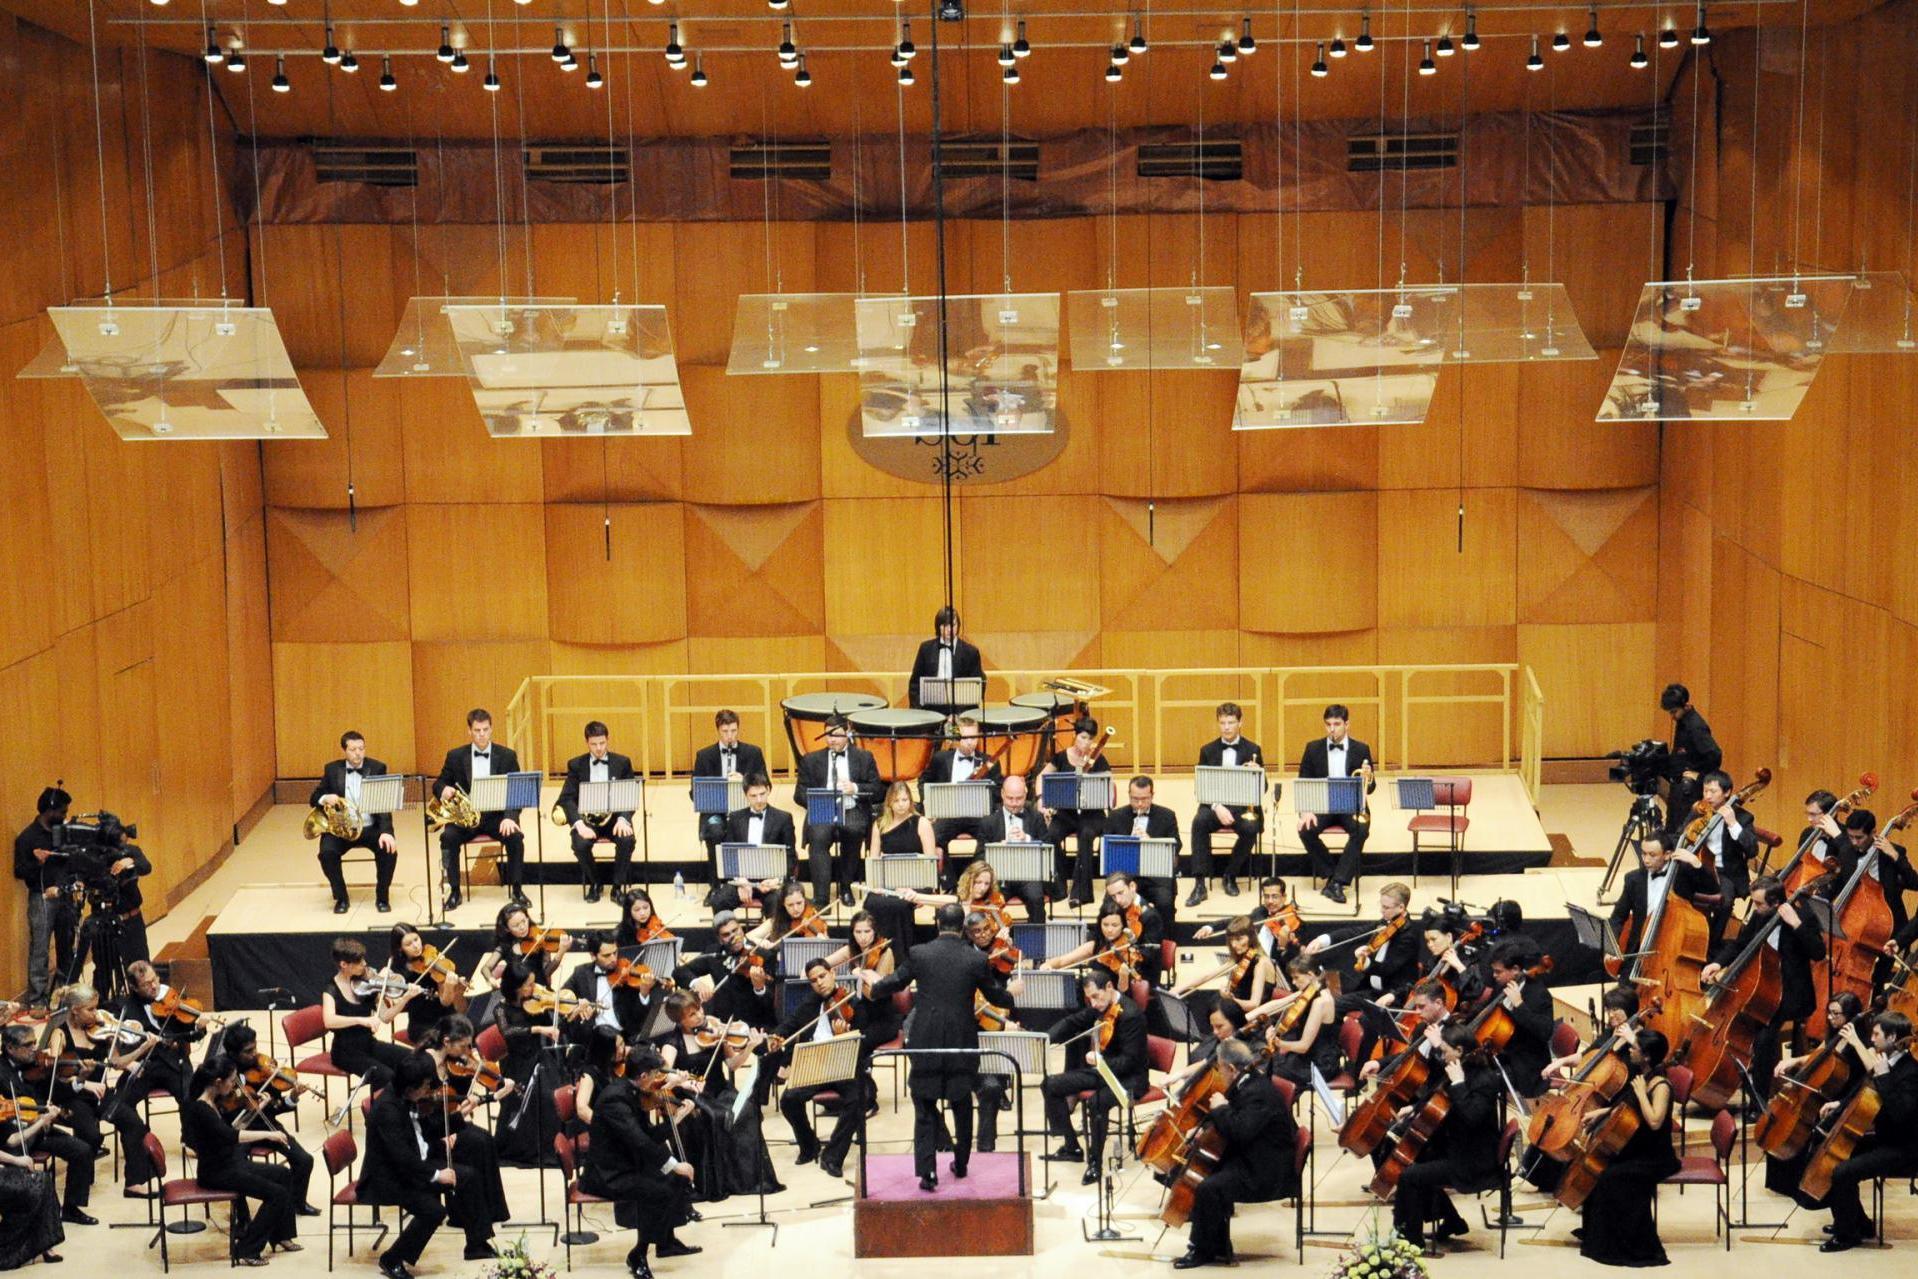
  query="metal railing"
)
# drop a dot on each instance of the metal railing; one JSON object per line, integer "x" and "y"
{"x": 1444, "y": 716}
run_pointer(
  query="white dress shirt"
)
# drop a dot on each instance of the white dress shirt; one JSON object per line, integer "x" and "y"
{"x": 482, "y": 764}
{"x": 1335, "y": 755}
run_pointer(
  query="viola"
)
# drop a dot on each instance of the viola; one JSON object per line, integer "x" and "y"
{"x": 552, "y": 941}
{"x": 477, "y": 1073}
{"x": 988, "y": 1016}
{"x": 993, "y": 906}
{"x": 1003, "y": 956}
{"x": 630, "y": 974}
{"x": 733, "y": 1039}
{"x": 1135, "y": 921}
{"x": 20, "y": 1110}
{"x": 1378, "y": 939}
{"x": 171, "y": 1005}
{"x": 1106, "y": 1026}
{"x": 66, "y": 1066}
{"x": 269, "y": 1077}
{"x": 1559, "y": 1116}
{"x": 652, "y": 930}
{"x": 809, "y": 924}
{"x": 565, "y": 1002}
{"x": 1283, "y": 924}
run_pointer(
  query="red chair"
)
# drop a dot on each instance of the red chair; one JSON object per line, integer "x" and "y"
{"x": 1712, "y": 1170}
{"x": 566, "y": 1103}
{"x": 1159, "y": 1054}
{"x": 491, "y": 1044}
{"x": 339, "y": 1153}
{"x": 1285, "y": 1088}
{"x": 1168, "y": 961}
{"x": 1680, "y": 1078}
{"x": 1454, "y": 794}
{"x": 1564, "y": 1039}
{"x": 1351, "y": 1035}
{"x": 576, "y": 1199}
{"x": 183, "y": 1193}
{"x": 1301, "y": 1163}
{"x": 1141, "y": 992}
{"x": 304, "y": 1026}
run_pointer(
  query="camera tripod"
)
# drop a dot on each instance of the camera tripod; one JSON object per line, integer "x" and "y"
{"x": 102, "y": 935}
{"x": 1645, "y": 818}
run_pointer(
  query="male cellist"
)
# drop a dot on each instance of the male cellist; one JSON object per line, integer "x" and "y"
{"x": 1257, "y": 1164}
{"x": 1799, "y": 943}
{"x": 1892, "y": 1148}
{"x": 1663, "y": 872}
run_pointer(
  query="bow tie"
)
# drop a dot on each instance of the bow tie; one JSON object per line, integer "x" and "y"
{"x": 1335, "y": 746}
{"x": 482, "y": 754}
{"x": 1657, "y": 875}
{"x": 352, "y": 770}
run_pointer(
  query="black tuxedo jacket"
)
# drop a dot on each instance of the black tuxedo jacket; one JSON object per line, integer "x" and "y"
{"x": 1689, "y": 881}
{"x": 1160, "y": 824}
{"x": 806, "y": 1015}
{"x": 458, "y": 770}
{"x": 992, "y": 830}
{"x": 1126, "y": 1054}
{"x": 1897, "y": 1124}
{"x": 394, "y": 1170}
{"x": 333, "y": 782}
{"x": 1212, "y": 754}
{"x": 1798, "y": 949}
{"x": 965, "y": 664}
{"x": 778, "y": 829}
{"x": 946, "y": 973}
{"x": 1313, "y": 763}
{"x": 623, "y": 1157}
{"x": 1259, "y": 1134}
{"x": 1895, "y": 873}
{"x": 747, "y": 761}
{"x": 579, "y": 770}
{"x": 627, "y": 1004}
{"x": 983, "y": 770}
{"x": 861, "y": 767}
{"x": 1736, "y": 854}
{"x": 1531, "y": 1045}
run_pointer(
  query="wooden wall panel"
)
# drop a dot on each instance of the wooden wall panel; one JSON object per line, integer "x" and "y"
{"x": 1587, "y": 556}
{"x": 1604, "y": 287}
{"x": 634, "y": 595}
{"x": 612, "y": 470}
{"x": 249, "y": 659}
{"x": 731, "y": 258}
{"x": 476, "y": 572}
{"x": 1007, "y": 585}
{"x": 1333, "y": 460}
{"x": 1470, "y": 435}
{"x": 758, "y": 438}
{"x": 1467, "y": 733}
{"x": 1169, "y": 564}
{"x": 1336, "y": 534}
{"x": 321, "y": 690}
{"x": 1564, "y": 447}
{"x": 451, "y": 678}
{"x": 1586, "y": 674}
{"x": 449, "y": 457}
{"x": 338, "y": 581}
{"x": 1427, "y": 578}
{"x": 755, "y": 570}
{"x": 1153, "y": 433}
{"x": 876, "y": 566}
{"x": 364, "y": 425}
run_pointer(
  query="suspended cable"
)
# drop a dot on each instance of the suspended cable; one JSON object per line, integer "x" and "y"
{"x": 100, "y": 149}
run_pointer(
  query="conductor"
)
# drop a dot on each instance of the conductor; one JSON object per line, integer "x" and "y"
{"x": 949, "y": 973}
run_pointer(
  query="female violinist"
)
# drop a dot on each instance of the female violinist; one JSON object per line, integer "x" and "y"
{"x": 463, "y": 1080}
{"x": 443, "y": 989}
{"x": 977, "y": 890}
{"x": 256, "y": 1106}
{"x": 729, "y": 1153}
{"x": 1795, "y": 1104}
{"x": 29, "y": 1210}
{"x": 533, "y": 1040}
{"x": 222, "y": 1166}
{"x": 1306, "y": 1033}
{"x": 1275, "y": 920}
{"x": 1620, "y": 1228}
{"x": 793, "y": 916}
{"x": 353, "y": 1010}
{"x": 1461, "y": 1151}
{"x": 1455, "y": 964}
{"x": 639, "y": 920}
{"x": 867, "y": 947}
{"x": 1248, "y": 974}
{"x": 77, "y": 1029}
{"x": 517, "y": 937}
{"x": 1112, "y": 947}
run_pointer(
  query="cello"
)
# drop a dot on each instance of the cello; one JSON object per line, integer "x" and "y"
{"x": 1861, "y": 914}
{"x": 1791, "y": 1116}
{"x": 1801, "y": 870}
{"x": 1589, "y": 1158}
{"x": 1559, "y": 1117}
{"x": 1743, "y": 1001}
{"x": 1851, "y": 1125}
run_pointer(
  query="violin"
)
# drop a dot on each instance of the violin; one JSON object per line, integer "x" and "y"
{"x": 475, "y": 1072}
{"x": 809, "y": 924}
{"x": 870, "y": 956}
{"x": 989, "y": 1016}
{"x": 1283, "y": 925}
{"x": 993, "y": 905}
{"x": 564, "y": 1002}
{"x": 1106, "y": 1026}
{"x": 271, "y": 1078}
{"x": 652, "y": 930}
{"x": 66, "y": 1066}
{"x": 732, "y": 1039}
{"x": 173, "y": 1006}
{"x": 1004, "y": 956}
{"x": 20, "y": 1110}
{"x": 433, "y": 966}
{"x": 630, "y": 974}
{"x": 1363, "y": 960}
{"x": 384, "y": 985}
{"x": 1295, "y": 1012}
{"x": 1134, "y": 920}
{"x": 552, "y": 941}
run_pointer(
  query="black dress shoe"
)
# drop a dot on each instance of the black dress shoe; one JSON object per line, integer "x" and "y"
{"x": 832, "y": 1169}
{"x": 481, "y": 1252}
{"x": 1197, "y": 894}
{"x": 822, "y": 903}
{"x": 675, "y": 1248}
{"x": 1231, "y": 887}
{"x": 1073, "y": 903}
{"x": 958, "y": 1171}
{"x": 1333, "y": 891}
{"x": 845, "y": 897}
{"x": 1192, "y": 1260}
{"x": 1838, "y": 1243}
{"x": 806, "y": 1156}
{"x": 1451, "y": 1229}
{"x": 1090, "y": 1177}
{"x": 519, "y": 898}
{"x": 78, "y": 1216}
{"x": 1827, "y": 1229}
{"x": 306, "y": 1210}
{"x": 394, "y": 1269}
{"x": 1067, "y": 1154}
{"x": 640, "y": 1271}
{"x": 929, "y": 1184}
{"x": 339, "y": 908}
{"x": 593, "y": 894}
{"x": 383, "y": 906}
{"x": 987, "y": 1145}
{"x": 453, "y": 901}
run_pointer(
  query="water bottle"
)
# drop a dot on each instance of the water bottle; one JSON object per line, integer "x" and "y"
{"x": 679, "y": 884}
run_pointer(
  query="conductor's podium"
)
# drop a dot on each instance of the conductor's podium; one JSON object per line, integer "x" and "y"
{"x": 984, "y": 1215}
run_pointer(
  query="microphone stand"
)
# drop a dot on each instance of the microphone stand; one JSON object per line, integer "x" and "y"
{"x": 531, "y": 1101}
{"x": 1744, "y": 1221}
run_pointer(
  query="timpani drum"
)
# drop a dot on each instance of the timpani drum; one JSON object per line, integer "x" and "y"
{"x": 901, "y": 740}
{"x": 1015, "y": 737}
{"x": 807, "y": 713}
{"x": 1061, "y": 710}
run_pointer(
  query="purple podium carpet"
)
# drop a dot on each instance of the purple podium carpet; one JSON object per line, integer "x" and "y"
{"x": 983, "y": 1215}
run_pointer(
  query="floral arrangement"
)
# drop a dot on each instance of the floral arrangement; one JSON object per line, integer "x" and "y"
{"x": 513, "y": 1263}
{"x": 1379, "y": 1257}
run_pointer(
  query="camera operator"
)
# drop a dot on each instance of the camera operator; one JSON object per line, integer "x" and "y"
{"x": 33, "y": 849}
{"x": 104, "y": 868}
{"x": 1694, "y": 754}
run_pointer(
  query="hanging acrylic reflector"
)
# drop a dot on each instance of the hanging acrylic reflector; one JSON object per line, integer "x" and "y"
{"x": 1348, "y": 358}
{"x": 200, "y": 370}
{"x": 1726, "y": 350}
{"x": 571, "y": 370}
{"x": 1880, "y": 319}
{"x": 1002, "y": 365}
{"x": 423, "y": 345}
{"x": 1514, "y": 323}
{"x": 1161, "y": 328}
{"x": 795, "y": 333}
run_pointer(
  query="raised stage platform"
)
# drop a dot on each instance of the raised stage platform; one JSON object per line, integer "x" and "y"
{"x": 988, "y": 1213}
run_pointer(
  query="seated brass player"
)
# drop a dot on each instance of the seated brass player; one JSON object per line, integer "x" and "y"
{"x": 598, "y": 764}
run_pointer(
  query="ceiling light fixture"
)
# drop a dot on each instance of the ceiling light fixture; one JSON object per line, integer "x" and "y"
{"x": 1247, "y": 45}
{"x": 1593, "y": 36}
{"x": 1022, "y": 47}
{"x": 280, "y": 83}
{"x": 802, "y": 77}
{"x": 387, "y": 82}
{"x": 788, "y": 51}
{"x": 1639, "y": 60}
{"x": 459, "y": 63}
{"x": 331, "y": 53}
{"x": 1138, "y": 44}
{"x": 594, "y": 79}
{"x": 1114, "y": 73}
{"x": 214, "y": 53}
{"x": 1470, "y": 42}
{"x": 1319, "y": 68}
{"x": 236, "y": 60}
{"x": 699, "y": 71}
{"x": 1701, "y": 34}
{"x": 1668, "y": 38}
{"x": 1444, "y": 47}
{"x": 1337, "y": 47}
{"x": 675, "y": 56}
{"x": 1218, "y": 70}
{"x": 1534, "y": 63}
{"x": 1364, "y": 43}
{"x": 349, "y": 63}
{"x": 445, "y": 52}
{"x": 1426, "y": 65}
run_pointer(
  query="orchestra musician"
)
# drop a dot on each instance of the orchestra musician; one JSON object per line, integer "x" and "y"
{"x": 757, "y": 823}
{"x": 1821, "y": 853}
{"x": 242, "y": 1043}
{"x": 625, "y": 1162}
{"x": 977, "y": 890}
{"x": 1257, "y": 1164}
{"x": 1275, "y": 923}
{"x": 534, "y": 1034}
{"x": 447, "y": 1121}
{"x": 639, "y": 920}
{"x": 792, "y": 916}
{"x": 1459, "y": 965}
{"x": 1620, "y": 1227}
{"x": 1893, "y": 868}
{"x": 1729, "y": 847}
{"x": 947, "y": 973}
{"x": 1337, "y": 754}
{"x": 1462, "y": 1154}
{"x": 29, "y": 1210}
{"x": 1148, "y": 820}
{"x": 1111, "y": 947}
{"x": 833, "y": 850}
{"x": 353, "y": 1010}
{"x": 32, "y": 848}
{"x": 964, "y": 761}
{"x": 727, "y": 1149}
{"x": 1084, "y": 756}
{"x": 165, "y": 1067}
{"x": 78, "y": 1029}
{"x": 222, "y": 1166}
{"x": 1314, "y": 1042}
{"x": 516, "y": 936}
{"x": 733, "y": 759}
{"x": 1661, "y": 871}
{"x": 946, "y": 656}
{"x": 597, "y": 765}
{"x": 401, "y": 1169}
{"x": 480, "y": 757}
{"x": 1227, "y": 750}
{"x": 1529, "y": 1004}
{"x": 828, "y": 1010}
{"x": 623, "y": 1007}
{"x": 1143, "y": 918}
{"x": 900, "y": 832}
{"x": 1248, "y": 973}
{"x": 339, "y": 787}
{"x": 1427, "y": 1002}
{"x": 993, "y": 1090}
{"x": 17, "y": 1053}
{"x": 1694, "y": 753}
{"x": 1616, "y": 1008}
{"x": 1891, "y": 1150}
{"x": 406, "y": 945}
{"x": 1113, "y": 1028}
{"x": 738, "y": 986}
{"x": 1843, "y": 1009}
{"x": 1388, "y": 964}
{"x": 1016, "y": 821}
{"x": 1224, "y": 1023}
{"x": 1799, "y": 943}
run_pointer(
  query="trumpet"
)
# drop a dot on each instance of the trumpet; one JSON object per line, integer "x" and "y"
{"x": 342, "y": 821}
{"x": 457, "y": 811}
{"x": 591, "y": 819}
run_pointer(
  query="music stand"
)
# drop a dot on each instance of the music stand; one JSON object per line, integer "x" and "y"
{"x": 903, "y": 870}
{"x": 717, "y": 796}
{"x": 613, "y": 797}
{"x": 823, "y": 1063}
{"x": 1594, "y": 930}
{"x": 951, "y": 696}
{"x": 386, "y": 794}
{"x": 1106, "y": 1231}
{"x": 1240, "y": 786}
{"x": 502, "y": 792}
{"x": 1024, "y": 861}
{"x": 751, "y": 862}
{"x": 1020, "y": 1055}
{"x": 662, "y": 956}
{"x": 1415, "y": 795}
{"x": 1076, "y": 792}
{"x": 1138, "y": 856}
{"x": 1050, "y": 988}
{"x": 1041, "y": 940}
{"x": 1178, "y": 1017}
{"x": 957, "y": 801}
{"x": 796, "y": 952}
{"x": 793, "y": 988}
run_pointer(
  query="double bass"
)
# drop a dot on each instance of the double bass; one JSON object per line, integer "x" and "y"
{"x": 1862, "y": 915}
{"x": 1559, "y": 1116}
{"x": 1851, "y": 1125}
{"x": 1706, "y": 819}
{"x": 1801, "y": 870}
{"x": 1671, "y": 951}
{"x": 1743, "y": 1001}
